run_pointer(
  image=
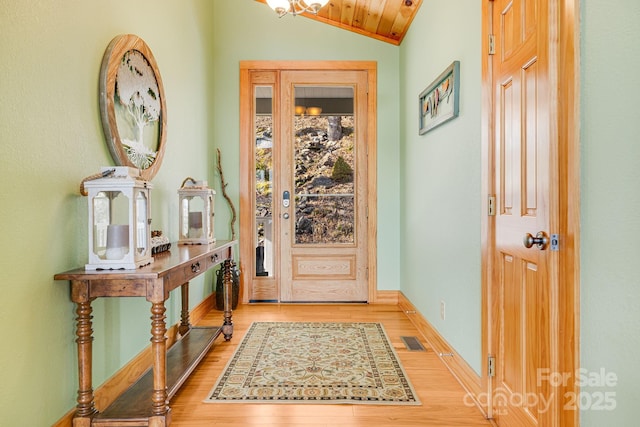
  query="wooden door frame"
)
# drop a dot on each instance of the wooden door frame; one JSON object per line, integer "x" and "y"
{"x": 246, "y": 170}
{"x": 565, "y": 198}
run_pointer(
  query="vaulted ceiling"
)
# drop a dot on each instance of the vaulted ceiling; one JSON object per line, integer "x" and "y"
{"x": 386, "y": 20}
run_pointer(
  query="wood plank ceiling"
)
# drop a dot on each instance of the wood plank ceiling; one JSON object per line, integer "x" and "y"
{"x": 386, "y": 20}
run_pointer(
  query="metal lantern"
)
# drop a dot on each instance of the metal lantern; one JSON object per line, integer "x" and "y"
{"x": 119, "y": 220}
{"x": 196, "y": 213}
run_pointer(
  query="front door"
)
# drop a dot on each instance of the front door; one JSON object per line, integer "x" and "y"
{"x": 307, "y": 137}
{"x": 323, "y": 238}
{"x": 522, "y": 283}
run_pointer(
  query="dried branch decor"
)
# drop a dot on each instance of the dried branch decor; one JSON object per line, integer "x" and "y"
{"x": 223, "y": 184}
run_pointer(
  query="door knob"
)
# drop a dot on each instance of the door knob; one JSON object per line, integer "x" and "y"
{"x": 541, "y": 240}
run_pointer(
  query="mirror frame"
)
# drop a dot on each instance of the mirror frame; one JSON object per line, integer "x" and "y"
{"x": 111, "y": 60}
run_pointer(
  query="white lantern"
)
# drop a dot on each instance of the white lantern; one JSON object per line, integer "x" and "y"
{"x": 119, "y": 220}
{"x": 196, "y": 213}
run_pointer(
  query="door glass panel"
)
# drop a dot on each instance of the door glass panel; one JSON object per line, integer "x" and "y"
{"x": 264, "y": 181}
{"x": 325, "y": 171}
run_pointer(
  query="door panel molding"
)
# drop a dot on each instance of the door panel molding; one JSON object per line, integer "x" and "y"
{"x": 307, "y": 267}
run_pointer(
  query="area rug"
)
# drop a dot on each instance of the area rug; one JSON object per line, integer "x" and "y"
{"x": 310, "y": 362}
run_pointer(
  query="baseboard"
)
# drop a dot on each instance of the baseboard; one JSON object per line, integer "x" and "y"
{"x": 386, "y": 297}
{"x": 119, "y": 382}
{"x": 202, "y": 309}
{"x": 458, "y": 367}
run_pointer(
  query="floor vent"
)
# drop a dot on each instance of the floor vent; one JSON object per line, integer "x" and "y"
{"x": 412, "y": 343}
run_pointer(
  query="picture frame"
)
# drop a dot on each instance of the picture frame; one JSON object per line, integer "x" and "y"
{"x": 439, "y": 102}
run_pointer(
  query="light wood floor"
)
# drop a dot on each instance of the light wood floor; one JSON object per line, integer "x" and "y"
{"x": 441, "y": 395}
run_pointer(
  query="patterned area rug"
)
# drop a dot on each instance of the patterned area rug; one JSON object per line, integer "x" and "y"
{"x": 300, "y": 362}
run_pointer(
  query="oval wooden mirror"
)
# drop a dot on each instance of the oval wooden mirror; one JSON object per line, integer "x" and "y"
{"x": 132, "y": 105}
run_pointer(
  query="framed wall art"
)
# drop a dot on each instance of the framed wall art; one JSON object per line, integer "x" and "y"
{"x": 439, "y": 101}
{"x": 132, "y": 105}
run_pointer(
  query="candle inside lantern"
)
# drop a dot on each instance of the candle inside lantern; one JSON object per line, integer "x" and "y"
{"x": 117, "y": 241}
{"x": 195, "y": 224}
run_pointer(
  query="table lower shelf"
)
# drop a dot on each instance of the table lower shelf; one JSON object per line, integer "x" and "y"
{"x": 133, "y": 407}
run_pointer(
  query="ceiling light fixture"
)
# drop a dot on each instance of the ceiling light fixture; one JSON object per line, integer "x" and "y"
{"x": 296, "y": 7}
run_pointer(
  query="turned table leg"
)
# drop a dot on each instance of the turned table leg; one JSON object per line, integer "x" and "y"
{"x": 185, "y": 324}
{"x": 85, "y": 410}
{"x": 86, "y": 406}
{"x": 159, "y": 397}
{"x": 227, "y": 282}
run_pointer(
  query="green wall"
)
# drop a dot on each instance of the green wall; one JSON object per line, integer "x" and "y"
{"x": 429, "y": 189}
{"x": 610, "y": 209}
{"x": 51, "y": 138}
{"x": 441, "y": 201}
{"x": 440, "y": 177}
{"x": 248, "y": 30}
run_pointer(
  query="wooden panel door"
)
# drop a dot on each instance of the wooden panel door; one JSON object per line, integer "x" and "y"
{"x": 308, "y": 131}
{"x": 323, "y": 186}
{"x": 522, "y": 277}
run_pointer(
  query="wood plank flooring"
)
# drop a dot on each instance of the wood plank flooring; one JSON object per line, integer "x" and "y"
{"x": 442, "y": 397}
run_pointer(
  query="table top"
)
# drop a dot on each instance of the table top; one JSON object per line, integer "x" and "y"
{"x": 163, "y": 263}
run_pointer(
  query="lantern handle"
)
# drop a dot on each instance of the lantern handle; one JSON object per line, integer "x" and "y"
{"x": 188, "y": 179}
{"x": 104, "y": 174}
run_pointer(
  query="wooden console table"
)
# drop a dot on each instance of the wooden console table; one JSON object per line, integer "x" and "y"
{"x": 147, "y": 401}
